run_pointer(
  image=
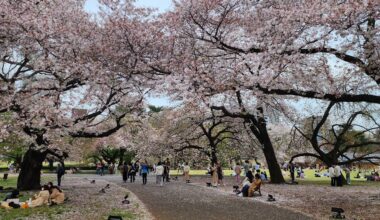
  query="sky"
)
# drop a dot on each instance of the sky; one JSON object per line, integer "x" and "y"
{"x": 162, "y": 6}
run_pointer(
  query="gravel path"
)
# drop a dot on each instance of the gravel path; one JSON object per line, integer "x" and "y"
{"x": 180, "y": 201}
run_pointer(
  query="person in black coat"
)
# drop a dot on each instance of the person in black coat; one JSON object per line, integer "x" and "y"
{"x": 125, "y": 172}
{"x": 60, "y": 173}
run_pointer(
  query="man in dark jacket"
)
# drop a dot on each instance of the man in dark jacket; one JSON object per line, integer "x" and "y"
{"x": 60, "y": 173}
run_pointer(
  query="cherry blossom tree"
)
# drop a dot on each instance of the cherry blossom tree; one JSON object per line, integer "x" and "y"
{"x": 55, "y": 61}
{"x": 256, "y": 55}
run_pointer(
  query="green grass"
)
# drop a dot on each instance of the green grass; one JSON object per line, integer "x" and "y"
{"x": 309, "y": 179}
{"x": 46, "y": 211}
{"x": 15, "y": 214}
{"x": 11, "y": 182}
{"x": 120, "y": 212}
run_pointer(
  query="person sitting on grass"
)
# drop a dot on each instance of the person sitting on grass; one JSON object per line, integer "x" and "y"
{"x": 56, "y": 194}
{"x": 42, "y": 198}
{"x": 256, "y": 184}
{"x": 246, "y": 184}
{"x": 262, "y": 176}
{"x": 12, "y": 195}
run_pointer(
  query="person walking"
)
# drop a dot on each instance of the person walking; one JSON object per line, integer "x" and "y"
{"x": 237, "y": 170}
{"x": 60, "y": 173}
{"x": 159, "y": 174}
{"x": 132, "y": 172}
{"x": 144, "y": 170}
{"x": 186, "y": 172}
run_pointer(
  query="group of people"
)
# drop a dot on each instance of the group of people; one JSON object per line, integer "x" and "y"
{"x": 336, "y": 175}
{"x": 250, "y": 184}
{"x": 161, "y": 170}
{"x": 128, "y": 171}
{"x": 255, "y": 168}
{"x": 49, "y": 195}
{"x": 335, "y": 172}
{"x": 216, "y": 172}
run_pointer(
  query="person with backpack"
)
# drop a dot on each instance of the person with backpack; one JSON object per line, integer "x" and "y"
{"x": 60, "y": 173}
{"x": 132, "y": 172}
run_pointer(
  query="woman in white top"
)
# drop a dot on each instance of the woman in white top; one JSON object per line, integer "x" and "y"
{"x": 186, "y": 172}
{"x": 332, "y": 175}
{"x": 159, "y": 174}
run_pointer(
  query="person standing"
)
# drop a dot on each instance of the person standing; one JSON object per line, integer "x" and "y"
{"x": 98, "y": 168}
{"x": 144, "y": 170}
{"x": 167, "y": 170}
{"x": 125, "y": 172}
{"x": 292, "y": 168}
{"x": 338, "y": 175}
{"x": 60, "y": 173}
{"x": 132, "y": 172}
{"x": 348, "y": 175}
{"x": 237, "y": 170}
{"x": 246, "y": 167}
{"x": 111, "y": 168}
{"x": 332, "y": 175}
{"x": 186, "y": 172}
{"x": 257, "y": 167}
{"x": 102, "y": 167}
{"x": 159, "y": 174}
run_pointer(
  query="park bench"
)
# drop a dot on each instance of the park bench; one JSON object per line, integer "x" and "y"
{"x": 5, "y": 176}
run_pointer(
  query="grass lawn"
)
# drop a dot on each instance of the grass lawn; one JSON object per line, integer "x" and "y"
{"x": 12, "y": 214}
{"x": 309, "y": 179}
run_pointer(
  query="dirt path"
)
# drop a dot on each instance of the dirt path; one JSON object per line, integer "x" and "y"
{"x": 180, "y": 201}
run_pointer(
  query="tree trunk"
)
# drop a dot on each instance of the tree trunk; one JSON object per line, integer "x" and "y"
{"x": 261, "y": 132}
{"x": 30, "y": 174}
{"x": 214, "y": 158}
{"x": 121, "y": 156}
{"x": 274, "y": 168}
{"x": 51, "y": 164}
